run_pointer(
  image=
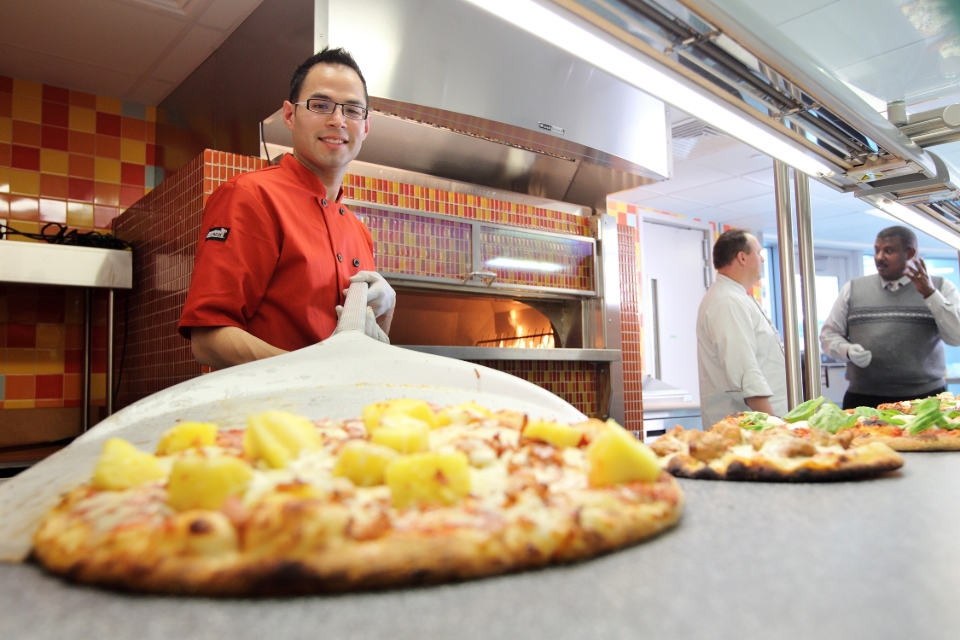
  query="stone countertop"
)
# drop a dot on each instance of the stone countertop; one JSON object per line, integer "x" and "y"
{"x": 872, "y": 559}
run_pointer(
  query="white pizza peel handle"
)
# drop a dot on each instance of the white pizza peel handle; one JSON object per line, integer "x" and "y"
{"x": 354, "y": 315}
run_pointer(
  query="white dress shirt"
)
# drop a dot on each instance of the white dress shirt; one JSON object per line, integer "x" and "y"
{"x": 739, "y": 353}
{"x": 944, "y": 304}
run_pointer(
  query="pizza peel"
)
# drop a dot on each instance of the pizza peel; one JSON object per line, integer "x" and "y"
{"x": 335, "y": 378}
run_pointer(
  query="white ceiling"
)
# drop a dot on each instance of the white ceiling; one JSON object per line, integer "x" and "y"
{"x": 137, "y": 50}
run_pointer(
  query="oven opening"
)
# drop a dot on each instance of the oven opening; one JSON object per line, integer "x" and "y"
{"x": 430, "y": 318}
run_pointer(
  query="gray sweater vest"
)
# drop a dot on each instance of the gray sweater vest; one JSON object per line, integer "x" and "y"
{"x": 897, "y": 326}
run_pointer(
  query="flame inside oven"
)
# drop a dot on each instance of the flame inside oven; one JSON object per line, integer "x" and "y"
{"x": 520, "y": 338}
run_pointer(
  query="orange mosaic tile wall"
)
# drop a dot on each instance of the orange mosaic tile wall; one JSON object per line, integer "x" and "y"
{"x": 631, "y": 338}
{"x": 575, "y": 382}
{"x": 75, "y": 159}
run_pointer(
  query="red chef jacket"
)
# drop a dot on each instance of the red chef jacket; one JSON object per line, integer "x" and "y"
{"x": 274, "y": 257}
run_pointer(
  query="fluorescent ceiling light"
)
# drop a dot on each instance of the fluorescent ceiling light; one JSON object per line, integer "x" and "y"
{"x": 586, "y": 45}
{"x": 920, "y": 222}
{"x": 526, "y": 265}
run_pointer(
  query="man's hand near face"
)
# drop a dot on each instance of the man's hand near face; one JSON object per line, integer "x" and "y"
{"x": 917, "y": 272}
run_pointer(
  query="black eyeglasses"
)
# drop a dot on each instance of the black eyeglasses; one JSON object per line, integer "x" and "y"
{"x": 319, "y": 105}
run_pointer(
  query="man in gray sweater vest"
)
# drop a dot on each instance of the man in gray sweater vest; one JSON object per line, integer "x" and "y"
{"x": 891, "y": 326}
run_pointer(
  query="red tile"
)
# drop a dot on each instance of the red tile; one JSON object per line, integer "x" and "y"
{"x": 130, "y": 195}
{"x": 6, "y": 151}
{"x": 98, "y": 361}
{"x": 151, "y": 154}
{"x": 133, "y": 128}
{"x": 71, "y": 403}
{"x": 56, "y": 94}
{"x": 27, "y": 158}
{"x": 81, "y": 166}
{"x": 49, "y": 386}
{"x": 6, "y": 105}
{"x": 108, "y": 124}
{"x": 19, "y": 387}
{"x": 73, "y": 361}
{"x": 26, "y": 133}
{"x": 21, "y": 336}
{"x": 108, "y": 194}
{"x": 103, "y": 216}
{"x": 51, "y": 309}
{"x": 6, "y": 84}
{"x": 53, "y": 211}
{"x": 85, "y": 100}
{"x": 83, "y": 143}
{"x": 108, "y": 147}
{"x": 55, "y": 138}
{"x": 81, "y": 189}
{"x": 132, "y": 174}
{"x": 52, "y": 186}
{"x": 25, "y": 208}
{"x": 55, "y": 114}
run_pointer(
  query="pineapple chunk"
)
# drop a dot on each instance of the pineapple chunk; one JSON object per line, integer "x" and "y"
{"x": 363, "y": 462}
{"x": 187, "y": 435}
{"x": 122, "y": 465}
{"x": 616, "y": 456}
{"x": 278, "y": 437}
{"x": 461, "y": 413}
{"x": 428, "y": 478}
{"x": 559, "y": 435}
{"x": 198, "y": 482}
{"x": 402, "y": 433}
{"x": 419, "y": 409}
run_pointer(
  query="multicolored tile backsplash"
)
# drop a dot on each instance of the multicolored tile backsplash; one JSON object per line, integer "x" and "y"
{"x": 78, "y": 160}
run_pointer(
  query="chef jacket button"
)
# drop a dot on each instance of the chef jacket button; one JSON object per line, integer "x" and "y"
{"x": 324, "y": 202}
{"x": 341, "y": 211}
{"x": 356, "y": 262}
{"x": 339, "y": 257}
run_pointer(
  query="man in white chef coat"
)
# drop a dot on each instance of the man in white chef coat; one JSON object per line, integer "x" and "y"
{"x": 891, "y": 326}
{"x": 739, "y": 351}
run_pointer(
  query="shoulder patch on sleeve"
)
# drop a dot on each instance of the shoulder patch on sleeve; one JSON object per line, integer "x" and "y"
{"x": 218, "y": 233}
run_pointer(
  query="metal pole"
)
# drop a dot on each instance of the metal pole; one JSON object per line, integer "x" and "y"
{"x": 791, "y": 339}
{"x": 87, "y": 314}
{"x": 109, "y": 352}
{"x": 808, "y": 280}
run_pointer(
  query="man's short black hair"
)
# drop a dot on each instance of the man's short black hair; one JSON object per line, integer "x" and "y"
{"x": 327, "y": 56}
{"x": 728, "y": 245}
{"x": 908, "y": 239}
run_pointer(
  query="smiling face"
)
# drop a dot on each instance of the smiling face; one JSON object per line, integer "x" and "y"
{"x": 327, "y": 143}
{"x": 891, "y": 257}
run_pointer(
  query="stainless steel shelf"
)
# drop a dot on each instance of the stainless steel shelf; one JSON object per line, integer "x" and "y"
{"x": 497, "y": 353}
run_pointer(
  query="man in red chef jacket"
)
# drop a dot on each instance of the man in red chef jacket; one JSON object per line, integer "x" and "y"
{"x": 277, "y": 249}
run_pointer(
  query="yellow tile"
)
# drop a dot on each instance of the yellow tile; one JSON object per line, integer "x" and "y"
{"x": 51, "y": 336}
{"x": 4, "y": 180}
{"x": 83, "y": 119}
{"x": 79, "y": 214}
{"x": 55, "y": 162}
{"x": 49, "y": 361}
{"x": 109, "y": 105}
{"x": 19, "y": 404}
{"x": 6, "y": 130}
{"x": 106, "y": 170}
{"x": 134, "y": 151}
{"x": 98, "y": 386}
{"x": 151, "y": 114}
{"x": 27, "y": 88}
{"x": 26, "y": 109}
{"x": 21, "y": 361}
{"x": 25, "y": 227}
{"x": 26, "y": 183}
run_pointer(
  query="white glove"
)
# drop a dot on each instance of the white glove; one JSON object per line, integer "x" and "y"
{"x": 859, "y": 356}
{"x": 370, "y": 328}
{"x": 380, "y": 295}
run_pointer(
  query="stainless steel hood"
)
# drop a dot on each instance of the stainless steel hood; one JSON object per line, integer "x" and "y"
{"x": 461, "y": 95}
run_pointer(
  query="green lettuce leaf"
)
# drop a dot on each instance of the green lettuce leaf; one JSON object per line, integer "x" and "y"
{"x": 832, "y": 418}
{"x": 927, "y": 414}
{"x": 804, "y": 410}
{"x": 755, "y": 421}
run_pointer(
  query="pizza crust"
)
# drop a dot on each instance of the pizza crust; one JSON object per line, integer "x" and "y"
{"x": 919, "y": 442}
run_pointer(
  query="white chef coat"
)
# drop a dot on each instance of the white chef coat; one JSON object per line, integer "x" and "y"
{"x": 943, "y": 303}
{"x": 739, "y": 353}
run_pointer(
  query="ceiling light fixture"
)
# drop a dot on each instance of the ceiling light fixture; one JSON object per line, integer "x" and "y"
{"x": 580, "y": 41}
{"x": 919, "y": 222}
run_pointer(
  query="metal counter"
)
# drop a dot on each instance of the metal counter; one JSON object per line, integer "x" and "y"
{"x": 874, "y": 559}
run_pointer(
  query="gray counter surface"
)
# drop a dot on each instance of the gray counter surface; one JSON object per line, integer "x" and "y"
{"x": 872, "y": 559}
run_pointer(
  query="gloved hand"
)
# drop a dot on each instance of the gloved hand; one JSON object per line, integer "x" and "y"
{"x": 859, "y": 356}
{"x": 370, "y": 328}
{"x": 380, "y": 295}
